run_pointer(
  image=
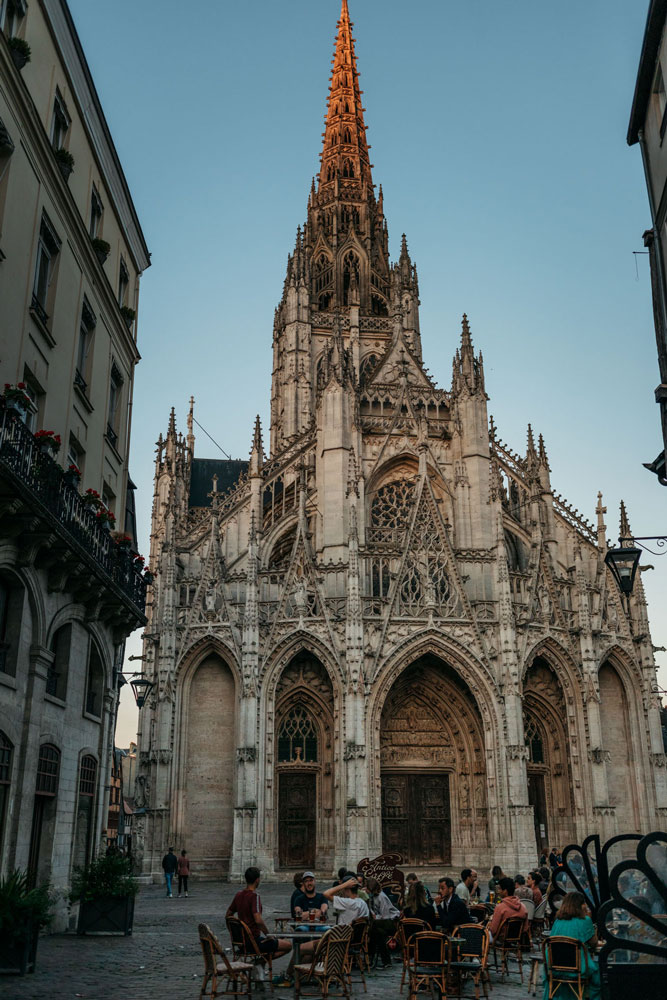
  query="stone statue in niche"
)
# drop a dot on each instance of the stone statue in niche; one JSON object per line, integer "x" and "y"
{"x": 300, "y": 596}
{"x": 464, "y": 792}
{"x": 211, "y": 597}
{"x": 479, "y": 793}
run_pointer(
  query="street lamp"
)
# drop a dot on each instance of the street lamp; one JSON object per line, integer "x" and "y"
{"x": 141, "y": 688}
{"x": 623, "y": 563}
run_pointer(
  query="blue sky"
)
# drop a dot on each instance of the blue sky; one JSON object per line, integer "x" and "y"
{"x": 498, "y": 134}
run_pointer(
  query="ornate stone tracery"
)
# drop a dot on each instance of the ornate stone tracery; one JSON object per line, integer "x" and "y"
{"x": 412, "y": 619}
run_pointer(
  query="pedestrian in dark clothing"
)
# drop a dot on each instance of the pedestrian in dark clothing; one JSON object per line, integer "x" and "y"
{"x": 169, "y": 867}
{"x": 554, "y": 858}
{"x": 450, "y": 908}
{"x": 183, "y": 873}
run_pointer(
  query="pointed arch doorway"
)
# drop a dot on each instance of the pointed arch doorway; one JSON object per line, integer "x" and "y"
{"x": 433, "y": 779}
{"x": 548, "y": 763}
{"x": 304, "y": 765}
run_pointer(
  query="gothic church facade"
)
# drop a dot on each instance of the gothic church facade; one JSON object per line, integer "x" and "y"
{"x": 390, "y": 633}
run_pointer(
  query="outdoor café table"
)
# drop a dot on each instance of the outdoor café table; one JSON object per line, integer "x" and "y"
{"x": 298, "y": 937}
{"x": 282, "y": 917}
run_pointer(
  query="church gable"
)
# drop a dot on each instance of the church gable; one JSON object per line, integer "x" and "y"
{"x": 399, "y": 365}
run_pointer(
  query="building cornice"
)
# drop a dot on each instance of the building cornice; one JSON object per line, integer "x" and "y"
{"x": 75, "y": 64}
{"x": 655, "y": 23}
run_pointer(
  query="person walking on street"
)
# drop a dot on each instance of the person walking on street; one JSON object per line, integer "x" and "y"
{"x": 183, "y": 873}
{"x": 169, "y": 867}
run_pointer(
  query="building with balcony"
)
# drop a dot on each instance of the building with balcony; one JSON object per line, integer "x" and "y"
{"x": 71, "y": 590}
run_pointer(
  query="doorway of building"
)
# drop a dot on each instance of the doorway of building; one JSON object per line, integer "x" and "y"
{"x": 416, "y": 820}
{"x": 297, "y": 797}
{"x": 538, "y": 800}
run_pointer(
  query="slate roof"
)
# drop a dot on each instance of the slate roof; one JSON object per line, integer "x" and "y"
{"x": 228, "y": 472}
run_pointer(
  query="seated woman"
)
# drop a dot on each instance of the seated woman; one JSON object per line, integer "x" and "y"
{"x": 417, "y": 906}
{"x": 574, "y": 921}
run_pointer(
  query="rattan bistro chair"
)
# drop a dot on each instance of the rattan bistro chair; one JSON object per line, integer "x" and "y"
{"x": 234, "y": 975}
{"x": 357, "y": 953}
{"x": 407, "y": 928}
{"x": 472, "y": 957}
{"x": 509, "y": 941}
{"x": 429, "y": 961}
{"x": 244, "y": 946}
{"x": 329, "y": 964}
{"x": 564, "y": 962}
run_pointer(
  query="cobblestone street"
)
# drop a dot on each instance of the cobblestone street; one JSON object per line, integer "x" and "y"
{"x": 162, "y": 959}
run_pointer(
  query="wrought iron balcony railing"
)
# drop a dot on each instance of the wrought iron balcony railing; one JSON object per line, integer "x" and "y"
{"x": 23, "y": 457}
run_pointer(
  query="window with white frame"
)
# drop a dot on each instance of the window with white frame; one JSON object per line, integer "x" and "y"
{"x": 48, "y": 247}
{"x": 115, "y": 392}
{"x": 84, "y": 351}
{"x": 60, "y": 121}
{"x": 96, "y": 212}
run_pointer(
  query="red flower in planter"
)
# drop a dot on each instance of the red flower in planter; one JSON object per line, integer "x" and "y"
{"x": 49, "y": 438}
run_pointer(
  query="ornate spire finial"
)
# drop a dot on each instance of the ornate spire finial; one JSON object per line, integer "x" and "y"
{"x": 602, "y": 527}
{"x": 466, "y": 340}
{"x": 345, "y": 150}
{"x": 531, "y": 442}
{"x": 492, "y": 428}
{"x": 625, "y": 534}
{"x": 542, "y": 452}
{"x": 257, "y": 436}
{"x": 171, "y": 430}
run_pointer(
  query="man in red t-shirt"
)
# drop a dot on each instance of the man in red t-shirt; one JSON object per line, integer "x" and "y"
{"x": 247, "y": 906}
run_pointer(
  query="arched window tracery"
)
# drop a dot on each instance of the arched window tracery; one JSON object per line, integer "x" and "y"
{"x": 348, "y": 168}
{"x": 392, "y": 504}
{"x": 297, "y": 737}
{"x": 534, "y": 741}
{"x": 368, "y": 366}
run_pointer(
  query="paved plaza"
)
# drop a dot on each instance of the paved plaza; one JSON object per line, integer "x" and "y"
{"x": 162, "y": 959}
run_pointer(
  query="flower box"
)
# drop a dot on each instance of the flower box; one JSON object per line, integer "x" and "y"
{"x": 48, "y": 441}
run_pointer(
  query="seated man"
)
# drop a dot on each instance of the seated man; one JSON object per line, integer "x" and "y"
{"x": 310, "y": 899}
{"x": 509, "y": 906}
{"x": 348, "y": 907}
{"x": 449, "y": 908}
{"x": 466, "y": 887}
{"x": 247, "y": 906}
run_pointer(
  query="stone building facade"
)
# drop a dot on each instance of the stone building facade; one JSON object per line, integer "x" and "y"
{"x": 391, "y": 633}
{"x": 71, "y": 255}
{"x": 648, "y": 121}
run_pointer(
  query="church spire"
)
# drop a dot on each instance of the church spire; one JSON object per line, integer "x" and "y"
{"x": 345, "y": 150}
